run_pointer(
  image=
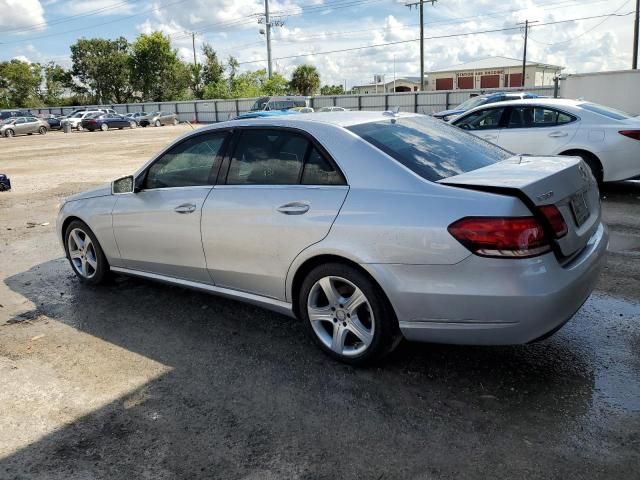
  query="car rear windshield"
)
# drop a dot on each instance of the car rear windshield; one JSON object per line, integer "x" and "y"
{"x": 431, "y": 148}
{"x": 606, "y": 111}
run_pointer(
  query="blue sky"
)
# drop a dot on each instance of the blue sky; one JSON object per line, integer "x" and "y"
{"x": 42, "y": 30}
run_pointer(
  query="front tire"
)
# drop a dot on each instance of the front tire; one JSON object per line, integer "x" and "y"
{"x": 104, "y": 127}
{"x": 133, "y": 124}
{"x": 9, "y": 133}
{"x": 347, "y": 314}
{"x": 84, "y": 253}
{"x": 158, "y": 123}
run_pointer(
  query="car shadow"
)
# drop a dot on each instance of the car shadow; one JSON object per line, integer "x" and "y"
{"x": 249, "y": 396}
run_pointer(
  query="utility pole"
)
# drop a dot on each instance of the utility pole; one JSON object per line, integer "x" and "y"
{"x": 193, "y": 41}
{"x": 420, "y": 5}
{"x": 524, "y": 56}
{"x": 267, "y": 23}
{"x": 636, "y": 28}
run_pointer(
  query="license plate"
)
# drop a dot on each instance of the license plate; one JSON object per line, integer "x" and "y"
{"x": 579, "y": 208}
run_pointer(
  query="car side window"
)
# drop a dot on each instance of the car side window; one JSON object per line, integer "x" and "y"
{"x": 21, "y": 120}
{"x": 482, "y": 120}
{"x": 267, "y": 157}
{"x": 319, "y": 171}
{"x": 533, "y": 117}
{"x": 189, "y": 163}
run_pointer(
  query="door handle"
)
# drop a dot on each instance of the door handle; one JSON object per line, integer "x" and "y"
{"x": 489, "y": 137}
{"x": 185, "y": 208}
{"x": 558, "y": 134}
{"x": 294, "y": 208}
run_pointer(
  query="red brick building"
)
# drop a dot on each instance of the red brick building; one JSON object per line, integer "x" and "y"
{"x": 493, "y": 72}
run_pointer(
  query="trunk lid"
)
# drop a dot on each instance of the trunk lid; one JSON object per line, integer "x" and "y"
{"x": 565, "y": 182}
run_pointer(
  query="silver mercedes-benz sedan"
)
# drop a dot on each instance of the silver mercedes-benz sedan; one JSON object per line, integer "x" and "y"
{"x": 368, "y": 226}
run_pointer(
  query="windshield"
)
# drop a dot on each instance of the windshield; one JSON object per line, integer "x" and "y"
{"x": 606, "y": 111}
{"x": 259, "y": 104}
{"x": 431, "y": 148}
{"x": 472, "y": 103}
{"x": 7, "y": 121}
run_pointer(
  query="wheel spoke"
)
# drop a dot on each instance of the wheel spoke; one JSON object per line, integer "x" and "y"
{"x": 356, "y": 299}
{"x": 78, "y": 241}
{"x": 92, "y": 262}
{"x": 84, "y": 267}
{"x": 323, "y": 314}
{"x": 329, "y": 290}
{"x": 339, "y": 336}
{"x": 75, "y": 253}
{"x": 86, "y": 248}
{"x": 359, "y": 330}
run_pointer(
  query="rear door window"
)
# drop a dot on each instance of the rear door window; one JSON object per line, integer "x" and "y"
{"x": 431, "y": 148}
{"x": 532, "y": 117}
{"x": 319, "y": 171}
{"x": 268, "y": 157}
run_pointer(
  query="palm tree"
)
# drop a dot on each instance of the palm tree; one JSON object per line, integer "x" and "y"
{"x": 305, "y": 80}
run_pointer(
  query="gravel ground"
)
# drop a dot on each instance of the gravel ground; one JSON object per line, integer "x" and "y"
{"x": 142, "y": 380}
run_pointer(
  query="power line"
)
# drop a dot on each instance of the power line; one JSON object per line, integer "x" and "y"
{"x": 68, "y": 18}
{"x": 26, "y": 40}
{"x": 599, "y": 24}
{"x": 453, "y": 35}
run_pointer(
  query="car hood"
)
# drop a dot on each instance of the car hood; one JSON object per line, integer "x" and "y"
{"x": 101, "y": 191}
{"x": 446, "y": 113}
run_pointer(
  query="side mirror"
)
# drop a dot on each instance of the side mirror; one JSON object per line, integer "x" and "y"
{"x": 123, "y": 185}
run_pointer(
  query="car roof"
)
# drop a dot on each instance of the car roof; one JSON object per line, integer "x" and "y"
{"x": 551, "y": 102}
{"x": 339, "y": 118}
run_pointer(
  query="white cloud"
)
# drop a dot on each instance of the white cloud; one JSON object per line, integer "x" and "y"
{"x": 17, "y": 14}
{"x": 96, "y": 7}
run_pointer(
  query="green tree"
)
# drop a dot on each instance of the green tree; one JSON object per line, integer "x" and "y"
{"x": 248, "y": 84}
{"x": 332, "y": 90}
{"x": 276, "y": 85}
{"x": 56, "y": 81}
{"x": 156, "y": 71}
{"x": 101, "y": 67}
{"x": 20, "y": 84}
{"x": 212, "y": 67}
{"x": 305, "y": 80}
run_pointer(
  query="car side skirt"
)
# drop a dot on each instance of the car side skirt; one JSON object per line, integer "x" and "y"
{"x": 272, "y": 304}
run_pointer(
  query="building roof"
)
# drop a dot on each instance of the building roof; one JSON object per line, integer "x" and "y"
{"x": 415, "y": 80}
{"x": 493, "y": 62}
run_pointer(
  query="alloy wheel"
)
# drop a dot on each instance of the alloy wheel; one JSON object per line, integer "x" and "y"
{"x": 341, "y": 316}
{"x": 82, "y": 253}
{"x": 9, "y": 133}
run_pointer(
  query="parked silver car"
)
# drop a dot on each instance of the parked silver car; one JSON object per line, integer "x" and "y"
{"x": 158, "y": 119}
{"x": 368, "y": 226}
{"x": 23, "y": 126}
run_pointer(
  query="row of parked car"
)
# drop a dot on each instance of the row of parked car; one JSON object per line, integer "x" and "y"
{"x": 17, "y": 122}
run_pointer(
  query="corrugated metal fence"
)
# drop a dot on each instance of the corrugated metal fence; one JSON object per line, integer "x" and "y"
{"x": 209, "y": 111}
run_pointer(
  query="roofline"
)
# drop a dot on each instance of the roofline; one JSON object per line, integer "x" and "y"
{"x": 530, "y": 63}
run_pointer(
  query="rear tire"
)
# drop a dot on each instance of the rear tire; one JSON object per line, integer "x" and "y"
{"x": 175, "y": 122}
{"x": 592, "y": 161}
{"x": 42, "y": 130}
{"x": 354, "y": 322}
{"x": 158, "y": 123}
{"x": 84, "y": 253}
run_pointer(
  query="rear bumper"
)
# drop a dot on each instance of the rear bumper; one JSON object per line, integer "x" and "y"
{"x": 482, "y": 301}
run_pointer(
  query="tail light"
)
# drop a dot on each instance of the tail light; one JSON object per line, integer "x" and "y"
{"x": 501, "y": 237}
{"x": 635, "y": 134}
{"x": 553, "y": 215}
